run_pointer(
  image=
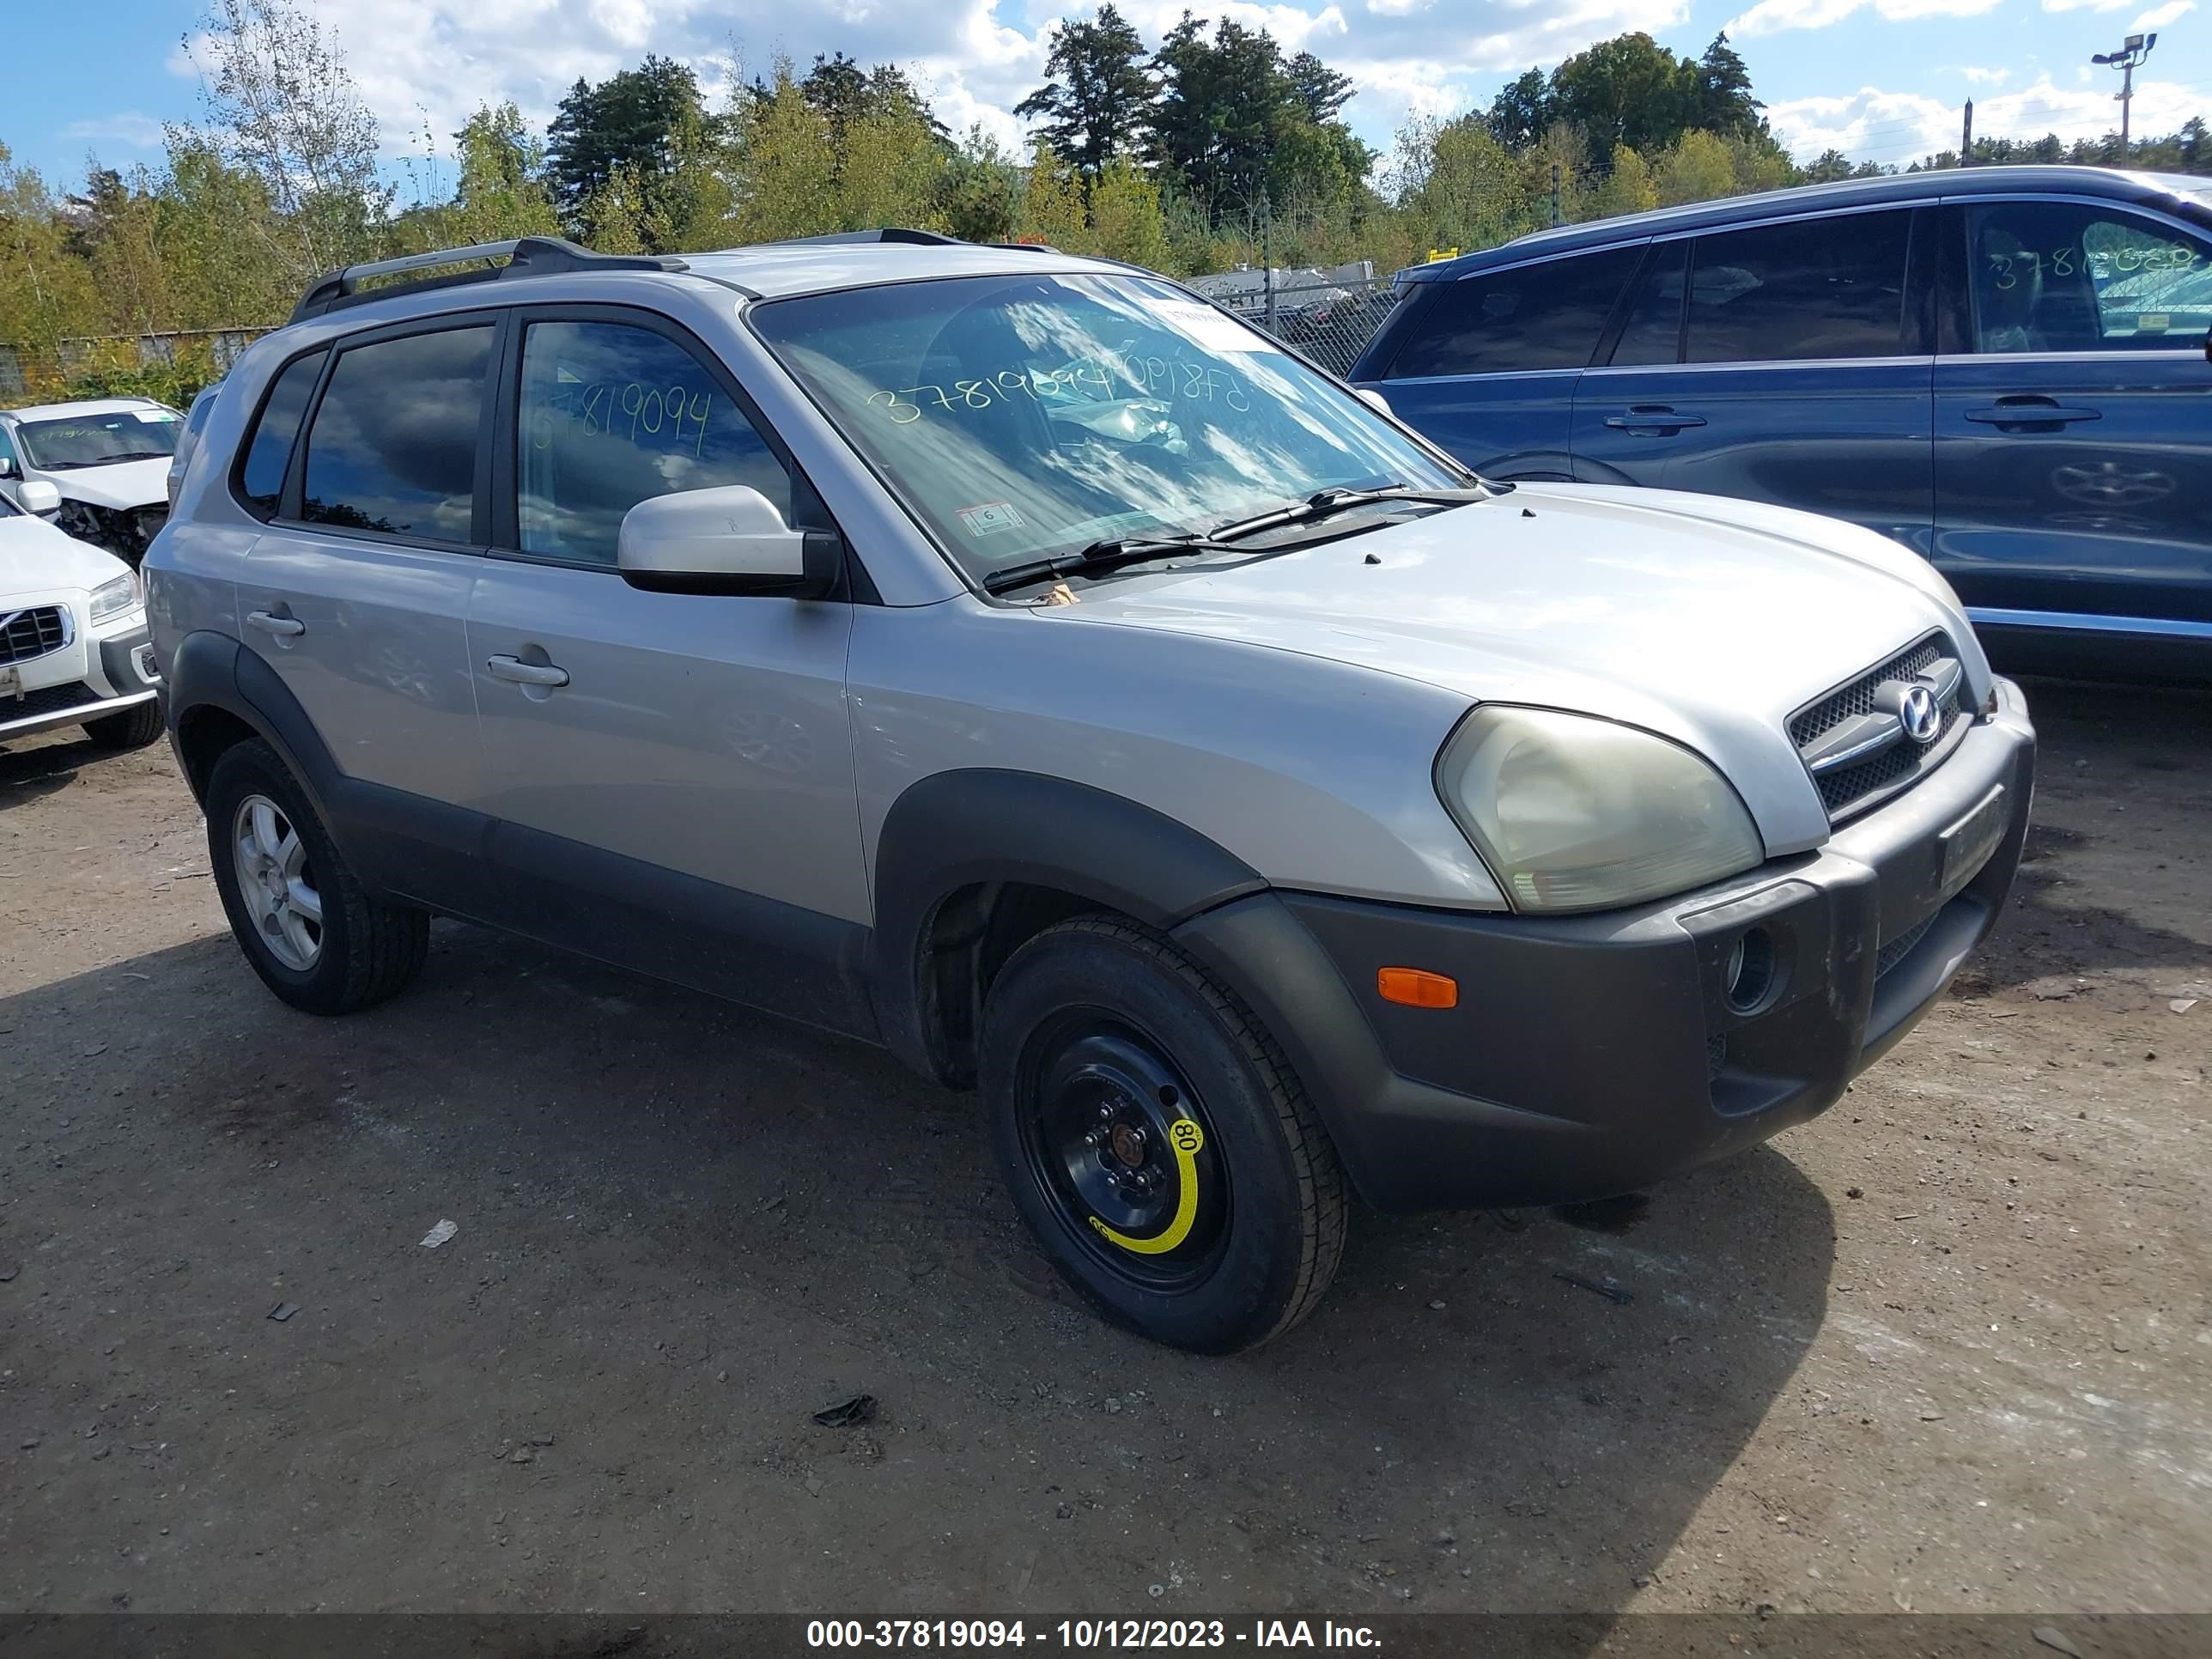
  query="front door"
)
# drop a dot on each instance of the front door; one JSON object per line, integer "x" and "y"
{"x": 671, "y": 775}
{"x": 2073, "y": 447}
{"x": 1783, "y": 362}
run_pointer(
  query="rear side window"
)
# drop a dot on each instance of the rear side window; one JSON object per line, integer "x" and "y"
{"x": 2068, "y": 277}
{"x": 1541, "y": 316}
{"x": 268, "y": 450}
{"x": 611, "y": 414}
{"x": 393, "y": 444}
{"x": 1808, "y": 289}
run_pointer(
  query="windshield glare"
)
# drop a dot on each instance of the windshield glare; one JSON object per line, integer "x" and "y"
{"x": 126, "y": 435}
{"x": 1026, "y": 416}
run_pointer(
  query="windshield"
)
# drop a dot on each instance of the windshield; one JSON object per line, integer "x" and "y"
{"x": 122, "y": 434}
{"x": 1027, "y": 416}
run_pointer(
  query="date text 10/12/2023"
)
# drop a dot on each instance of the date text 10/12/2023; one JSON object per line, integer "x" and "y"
{"x": 1087, "y": 1634}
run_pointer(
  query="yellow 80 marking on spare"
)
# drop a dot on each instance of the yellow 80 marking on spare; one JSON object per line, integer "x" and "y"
{"x": 1188, "y": 1139}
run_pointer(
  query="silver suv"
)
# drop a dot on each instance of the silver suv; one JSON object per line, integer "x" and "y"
{"x": 1013, "y": 659}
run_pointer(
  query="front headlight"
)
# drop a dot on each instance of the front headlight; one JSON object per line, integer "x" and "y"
{"x": 1574, "y": 813}
{"x": 113, "y": 598}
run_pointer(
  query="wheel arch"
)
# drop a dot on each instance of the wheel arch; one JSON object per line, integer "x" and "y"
{"x": 970, "y": 864}
{"x": 220, "y": 694}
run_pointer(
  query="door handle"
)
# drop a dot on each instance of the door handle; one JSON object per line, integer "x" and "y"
{"x": 282, "y": 627}
{"x": 2031, "y": 411}
{"x": 1653, "y": 418}
{"x": 526, "y": 673}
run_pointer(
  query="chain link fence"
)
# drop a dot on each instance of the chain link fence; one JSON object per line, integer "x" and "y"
{"x": 1329, "y": 316}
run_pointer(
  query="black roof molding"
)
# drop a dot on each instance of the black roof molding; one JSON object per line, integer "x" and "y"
{"x": 527, "y": 255}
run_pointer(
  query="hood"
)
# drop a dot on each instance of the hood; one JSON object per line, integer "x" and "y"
{"x": 37, "y": 558}
{"x": 1708, "y": 621}
{"x": 119, "y": 484}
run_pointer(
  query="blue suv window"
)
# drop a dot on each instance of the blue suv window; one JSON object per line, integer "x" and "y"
{"x": 1807, "y": 289}
{"x": 2069, "y": 276}
{"x": 1539, "y": 316}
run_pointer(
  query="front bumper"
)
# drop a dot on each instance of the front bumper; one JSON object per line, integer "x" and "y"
{"x": 87, "y": 680}
{"x": 1593, "y": 1056}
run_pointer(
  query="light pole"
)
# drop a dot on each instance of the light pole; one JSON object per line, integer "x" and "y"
{"x": 2132, "y": 51}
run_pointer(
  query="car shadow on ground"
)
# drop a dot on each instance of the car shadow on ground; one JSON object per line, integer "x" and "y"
{"x": 683, "y": 1228}
{"x": 28, "y": 772}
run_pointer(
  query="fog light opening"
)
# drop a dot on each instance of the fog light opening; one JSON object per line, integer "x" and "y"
{"x": 1750, "y": 971}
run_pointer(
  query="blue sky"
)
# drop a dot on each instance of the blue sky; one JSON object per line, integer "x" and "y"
{"x": 1879, "y": 79}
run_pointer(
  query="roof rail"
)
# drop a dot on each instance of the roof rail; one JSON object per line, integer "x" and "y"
{"x": 888, "y": 233}
{"x": 527, "y": 256}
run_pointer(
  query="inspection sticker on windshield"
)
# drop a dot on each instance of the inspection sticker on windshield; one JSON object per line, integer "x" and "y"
{"x": 991, "y": 517}
{"x": 156, "y": 416}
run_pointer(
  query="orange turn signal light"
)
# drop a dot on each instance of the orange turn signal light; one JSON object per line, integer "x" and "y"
{"x": 1417, "y": 988}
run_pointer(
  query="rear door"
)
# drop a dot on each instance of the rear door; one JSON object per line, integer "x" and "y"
{"x": 1486, "y": 367}
{"x": 354, "y": 593}
{"x": 1788, "y": 362}
{"x": 2074, "y": 418}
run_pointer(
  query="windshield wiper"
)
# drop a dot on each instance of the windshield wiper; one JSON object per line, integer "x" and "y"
{"x": 1097, "y": 558}
{"x": 1326, "y": 502}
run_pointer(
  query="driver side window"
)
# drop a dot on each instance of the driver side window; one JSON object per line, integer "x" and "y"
{"x": 611, "y": 414}
{"x": 2049, "y": 276}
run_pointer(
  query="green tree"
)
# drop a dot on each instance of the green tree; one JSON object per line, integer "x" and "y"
{"x": 115, "y": 231}
{"x": 980, "y": 192}
{"x": 1098, "y": 102}
{"x": 1126, "y": 221}
{"x": 1697, "y": 167}
{"x": 786, "y": 166}
{"x": 1052, "y": 203}
{"x": 648, "y": 120}
{"x": 47, "y": 294}
{"x": 1319, "y": 91}
{"x": 1522, "y": 110}
{"x": 1627, "y": 90}
{"x": 1723, "y": 102}
{"x": 501, "y": 191}
{"x": 1626, "y": 187}
{"x": 1460, "y": 186}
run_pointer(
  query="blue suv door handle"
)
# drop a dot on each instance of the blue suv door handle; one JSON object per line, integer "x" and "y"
{"x": 2027, "y": 411}
{"x": 1654, "y": 418}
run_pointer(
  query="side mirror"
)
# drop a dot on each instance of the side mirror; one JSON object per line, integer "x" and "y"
{"x": 39, "y": 497}
{"x": 1375, "y": 400}
{"x": 729, "y": 539}
{"x": 9, "y": 469}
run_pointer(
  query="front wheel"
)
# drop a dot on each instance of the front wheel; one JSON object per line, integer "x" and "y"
{"x": 1156, "y": 1139}
{"x": 134, "y": 728}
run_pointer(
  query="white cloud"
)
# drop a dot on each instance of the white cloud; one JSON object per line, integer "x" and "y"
{"x": 130, "y": 129}
{"x": 1986, "y": 78}
{"x": 2158, "y": 16}
{"x": 2083, "y": 5}
{"x": 1872, "y": 124}
{"x": 1772, "y": 16}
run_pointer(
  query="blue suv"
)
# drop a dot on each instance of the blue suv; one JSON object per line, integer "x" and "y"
{"x": 2005, "y": 368}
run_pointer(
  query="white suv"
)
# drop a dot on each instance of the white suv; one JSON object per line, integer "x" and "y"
{"x": 73, "y": 644}
{"x": 109, "y": 459}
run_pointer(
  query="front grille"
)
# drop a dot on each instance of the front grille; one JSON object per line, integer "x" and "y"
{"x": 47, "y": 700}
{"x": 1896, "y": 949}
{"x": 32, "y": 633}
{"x": 1850, "y": 789}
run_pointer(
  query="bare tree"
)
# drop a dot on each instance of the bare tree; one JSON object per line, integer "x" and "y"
{"x": 280, "y": 104}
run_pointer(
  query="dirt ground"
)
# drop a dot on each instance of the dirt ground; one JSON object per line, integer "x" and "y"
{"x": 1944, "y": 1349}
